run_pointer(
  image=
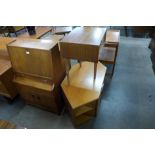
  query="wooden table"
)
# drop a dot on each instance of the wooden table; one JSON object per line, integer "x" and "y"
{"x": 113, "y": 36}
{"x": 3, "y": 47}
{"x": 6, "y": 75}
{"x": 40, "y": 31}
{"x": 112, "y": 41}
{"x": 62, "y": 30}
{"x": 7, "y": 87}
{"x": 83, "y": 44}
{"x": 82, "y": 95}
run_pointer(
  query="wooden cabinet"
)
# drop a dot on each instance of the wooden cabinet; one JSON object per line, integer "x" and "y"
{"x": 39, "y": 69}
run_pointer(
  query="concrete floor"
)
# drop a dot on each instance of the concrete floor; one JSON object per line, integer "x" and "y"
{"x": 128, "y": 99}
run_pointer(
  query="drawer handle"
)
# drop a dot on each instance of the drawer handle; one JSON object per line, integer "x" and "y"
{"x": 27, "y": 52}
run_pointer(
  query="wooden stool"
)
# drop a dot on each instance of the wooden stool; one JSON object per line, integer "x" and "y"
{"x": 83, "y": 93}
{"x": 38, "y": 72}
{"x": 107, "y": 55}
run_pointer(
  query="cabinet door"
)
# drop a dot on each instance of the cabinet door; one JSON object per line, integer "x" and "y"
{"x": 38, "y": 97}
{"x": 3, "y": 90}
{"x": 31, "y": 61}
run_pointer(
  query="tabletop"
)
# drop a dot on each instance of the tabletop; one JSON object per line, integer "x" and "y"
{"x": 85, "y": 35}
{"x": 82, "y": 88}
{"x": 42, "y": 44}
{"x": 3, "y": 46}
{"x": 4, "y": 41}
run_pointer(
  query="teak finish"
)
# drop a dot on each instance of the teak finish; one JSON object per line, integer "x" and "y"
{"x": 82, "y": 95}
{"x": 112, "y": 41}
{"x": 40, "y": 31}
{"x": 83, "y": 44}
{"x": 39, "y": 70}
{"x": 3, "y": 47}
{"x": 7, "y": 87}
{"x": 4, "y": 41}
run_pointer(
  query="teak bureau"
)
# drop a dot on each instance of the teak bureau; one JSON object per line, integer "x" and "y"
{"x": 39, "y": 70}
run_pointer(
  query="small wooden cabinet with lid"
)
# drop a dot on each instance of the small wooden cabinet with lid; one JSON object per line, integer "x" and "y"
{"x": 39, "y": 69}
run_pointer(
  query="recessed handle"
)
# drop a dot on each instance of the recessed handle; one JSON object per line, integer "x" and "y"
{"x": 27, "y": 52}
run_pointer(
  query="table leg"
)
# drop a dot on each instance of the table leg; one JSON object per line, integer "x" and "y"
{"x": 80, "y": 63}
{"x": 95, "y": 70}
{"x": 67, "y": 64}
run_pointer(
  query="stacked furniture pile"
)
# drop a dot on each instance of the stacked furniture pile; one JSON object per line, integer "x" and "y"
{"x": 41, "y": 72}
